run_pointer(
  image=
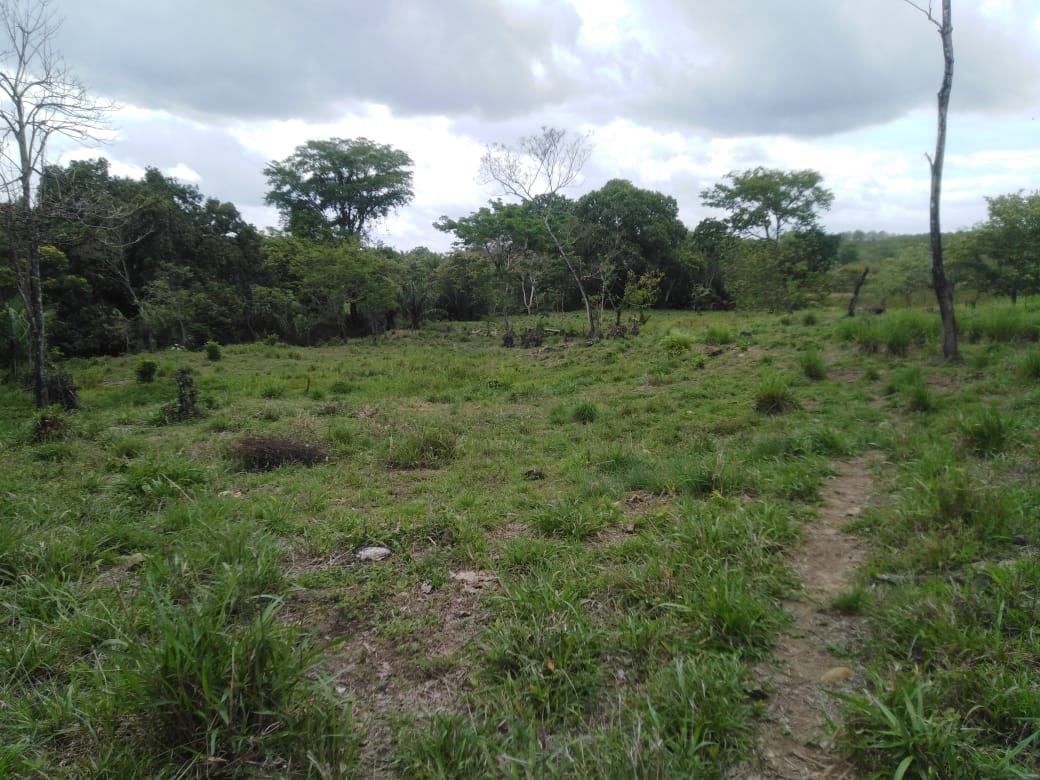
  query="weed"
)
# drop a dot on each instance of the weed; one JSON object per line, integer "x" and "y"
{"x": 674, "y": 345}
{"x": 585, "y": 412}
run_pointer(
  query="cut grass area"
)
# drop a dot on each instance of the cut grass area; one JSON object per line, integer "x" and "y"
{"x": 587, "y": 553}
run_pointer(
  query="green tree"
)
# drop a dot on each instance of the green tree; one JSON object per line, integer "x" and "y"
{"x": 623, "y": 234}
{"x": 512, "y": 238}
{"x": 765, "y": 203}
{"x": 1004, "y": 252}
{"x": 778, "y": 213}
{"x": 334, "y": 189}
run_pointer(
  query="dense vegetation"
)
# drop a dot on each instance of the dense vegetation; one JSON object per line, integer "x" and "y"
{"x": 587, "y": 549}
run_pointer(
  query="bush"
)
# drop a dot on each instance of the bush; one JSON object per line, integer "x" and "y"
{"x": 1030, "y": 365}
{"x": 675, "y": 344}
{"x": 50, "y": 424}
{"x": 213, "y": 351}
{"x": 145, "y": 370}
{"x": 264, "y": 453}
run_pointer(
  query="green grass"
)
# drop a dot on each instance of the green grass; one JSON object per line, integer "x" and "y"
{"x": 589, "y": 550}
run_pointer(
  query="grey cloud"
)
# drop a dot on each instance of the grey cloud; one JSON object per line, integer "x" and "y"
{"x": 818, "y": 67}
{"x": 262, "y": 59}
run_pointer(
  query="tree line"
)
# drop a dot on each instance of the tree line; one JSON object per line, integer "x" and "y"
{"x": 102, "y": 264}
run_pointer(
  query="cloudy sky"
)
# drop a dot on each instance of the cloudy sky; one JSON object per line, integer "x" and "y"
{"x": 676, "y": 93}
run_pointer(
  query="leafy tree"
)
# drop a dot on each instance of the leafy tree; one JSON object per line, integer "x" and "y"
{"x": 708, "y": 246}
{"x": 1003, "y": 254}
{"x": 334, "y": 189}
{"x": 765, "y": 203}
{"x": 465, "y": 284}
{"x": 779, "y": 212}
{"x": 623, "y": 234}
{"x": 40, "y": 100}
{"x": 512, "y": 238}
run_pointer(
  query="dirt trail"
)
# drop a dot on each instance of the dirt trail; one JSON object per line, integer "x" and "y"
{"x": 795, "y": 739}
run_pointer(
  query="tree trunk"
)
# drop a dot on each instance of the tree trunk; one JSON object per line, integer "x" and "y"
{"x": 943, "y": 288}
{"x": 577, "y": 277}
{"x": 855, "y": 291}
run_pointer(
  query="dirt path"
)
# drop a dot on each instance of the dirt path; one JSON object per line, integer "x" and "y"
{"x": 795, "y": 738}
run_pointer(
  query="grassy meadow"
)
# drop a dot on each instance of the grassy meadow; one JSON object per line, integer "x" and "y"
{"x": 587, "y": 551}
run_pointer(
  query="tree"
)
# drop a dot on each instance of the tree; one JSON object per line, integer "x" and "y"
{"x": 624, "y": 234}
{"x": 512, "y": 238}
{"x": 334, "y": 189}
{"x": 40, "y": 100}
{"x": 1004, "y": 252}
{"x": 765, "y": 203}
{"x": 943, "y": 288}
{"x": 536, "y": 171}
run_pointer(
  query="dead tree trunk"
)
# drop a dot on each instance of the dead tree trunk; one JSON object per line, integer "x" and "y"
{"x": 942, "y": 286}
{"x": 855, "y": 291}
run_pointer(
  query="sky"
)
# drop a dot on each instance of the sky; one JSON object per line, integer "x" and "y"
{"x": 675, "y": 94}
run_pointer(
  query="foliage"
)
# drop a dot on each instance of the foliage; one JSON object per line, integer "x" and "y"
{"x": 145, "y": 370}
{"x": 766, "y": 203}
{"x": 327, "y": 191}
{"x": 213, "y": 351}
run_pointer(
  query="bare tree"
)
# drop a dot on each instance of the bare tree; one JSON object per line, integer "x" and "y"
{"x": 943, "y": 288}
{"x": 39, "y": 100}
{"x": 536, "y": 171}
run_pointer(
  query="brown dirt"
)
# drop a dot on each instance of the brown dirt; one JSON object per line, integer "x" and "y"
{"x": 796, "y": 740}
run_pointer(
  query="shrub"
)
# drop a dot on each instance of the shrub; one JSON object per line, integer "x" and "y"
{"x": 342, "y": 387}
{"x": 264, "y": 453}
{"x": 213, "y": 350}
{"x": 50, "y": 424}
{"x": 675, "y": 344}
{"x": 809, "y": 319}
{"x": 145, "y": 370}
{"x": 272, "y": 391}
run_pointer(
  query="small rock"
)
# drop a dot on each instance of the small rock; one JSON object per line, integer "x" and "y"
{"x": 472, "y": 579}
{"x": 426, "y": 589}
{"x": 836, "y": 675}
{"x": 373, "y": 554}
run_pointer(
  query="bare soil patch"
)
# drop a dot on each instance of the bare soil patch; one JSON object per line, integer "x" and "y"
{"x": 796, "y": 740}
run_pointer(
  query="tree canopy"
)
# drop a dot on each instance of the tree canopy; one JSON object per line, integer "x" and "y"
{"x": 766, "y": 203}
{"x": 334, "y": 189}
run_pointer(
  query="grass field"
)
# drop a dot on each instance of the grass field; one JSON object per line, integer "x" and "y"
{"x": 588, "y": 552}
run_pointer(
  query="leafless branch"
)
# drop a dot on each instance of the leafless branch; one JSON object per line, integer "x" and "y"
{"x": 926, "y": 11}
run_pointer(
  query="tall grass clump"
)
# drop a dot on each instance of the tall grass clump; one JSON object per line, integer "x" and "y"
{"x": 426, "y": 448}
{"x": 813, "y": 365}
{"x": 987, "y": 432}
{"x": 1029, "y": 367}
{"x": 774, "y": 396}
{"x": 675, "y": 345}
{"x": 214, "y": 695}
